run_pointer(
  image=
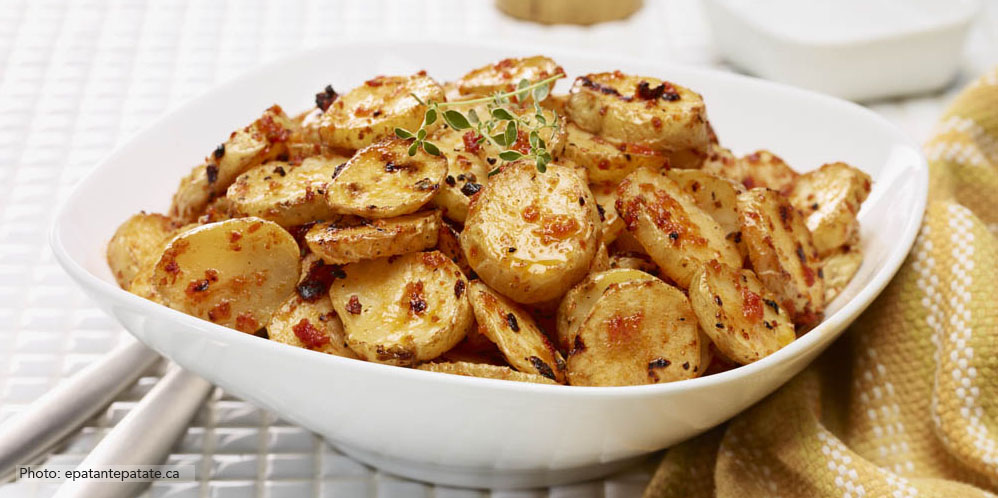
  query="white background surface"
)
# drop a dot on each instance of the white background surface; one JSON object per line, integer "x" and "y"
{"x": 78, "y": 78}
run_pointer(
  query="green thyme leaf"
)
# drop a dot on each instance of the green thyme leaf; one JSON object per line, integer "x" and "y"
{"x": 413, "y": 148}
{"x": 510, "y": 133}
{"x": 510, "y": 155}
{"x": 521, "y": 94}
{"x": 431, "y": 149}
{"x": 541, "y": 92}
{"x": 421, "y": 134}
{"x": 535, "y": 139}
{"x": 430, "y": 117}
{"x": 541, "y": 119}
{"x": 473, "y": 116}
{"x": 403, "y": 133}
{"x": 541, "y": 164}
{"x": 456, "y": 120}
{"x": 500, "y": 139}
{"x": 502, "y": 114}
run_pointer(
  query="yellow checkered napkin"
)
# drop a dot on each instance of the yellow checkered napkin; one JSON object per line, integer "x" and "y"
{"x": 906, "y": 403}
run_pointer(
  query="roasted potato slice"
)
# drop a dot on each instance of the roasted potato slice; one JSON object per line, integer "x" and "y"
{"x": 643, "y": 111}
{"x": 678, "y": 235}
{"x": 137, "y": 243}
{"x": 263, "y": 140}
{"x": 739, "y": 314}
{"x": 372, "y": 111}
{"x": 142, "y": 286}
{"x": 338, "y": 243}
{"x": 606, "y": 205}
{"x": 838, "y": 269}
{"x": 715, "y": 195}
{"x": 579, "y": 301}
{"x": 404, "y": 309}
{"x": 505, "y": 75}
{"x": 758, "y": 169}
{"x": 608, "y": 160}
{"x": 234, "y": 273}
{"x": 601, "y": 261}
{"x": 633, "y": 261}
{"x": 532, "y": 235}
{"x": 449, "y": 243}
{"x": 782, "y": 254}
{"x": 637, "y": 332}
{"x": 287, "y": 194}
{"x": 310, "y": 325}
{"x": 484, "y": 370}
{"x": 830, "y": 198}
{"x": 466, "y": 171}
{"x": 383, "y": 181}
{"x": 516, "y": 334}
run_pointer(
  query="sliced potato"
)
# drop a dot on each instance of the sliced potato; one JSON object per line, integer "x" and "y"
{"x": 579, "y": 301}
{"x": 383, "y": 180}
{"x": 310, "y": 325}
{"x": 338, "y": 243}
{"x": 234, "y": 273}
{"x": 532, "y": 235}
{"x": 606, "y": 205}
{"x": 263, "y": 140}
{"x": 404, "y": 309}
{"x": 637, "y": 332}
{"x": 466, "y": 171}
{"x": 505, "y": 75}
{"x": 284, "y": 193}
{"x": 372, "y": 111}
{"x": 516, "y": 334}
{"x": 739, "y": 314}
{"x": 608, "y": 160}
{"x": 485, "y": 371}
{"x": 782, "y": 254}
{"x": 449, "y": 243}
{"x": 830, "y": 198}
{"x": 758, "y": 169}
{"x": 715, "y": 195}
{"x": 142, "y": 286}
{"x": 643, "y": 111}
{"x": 838, "y": 269}
{"x": 601, "y": 261}
{"x": 679, "y": 236}
{"x": 633, "y": 261}
{"x": 137, "y": 243}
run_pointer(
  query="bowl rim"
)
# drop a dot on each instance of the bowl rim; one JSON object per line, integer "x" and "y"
{"x": 833, "y": 325}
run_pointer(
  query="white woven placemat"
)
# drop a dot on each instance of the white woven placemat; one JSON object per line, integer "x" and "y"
{"x": 76, "y": 78}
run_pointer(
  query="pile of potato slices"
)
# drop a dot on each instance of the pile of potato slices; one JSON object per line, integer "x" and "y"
{"x": 645, "y": 253}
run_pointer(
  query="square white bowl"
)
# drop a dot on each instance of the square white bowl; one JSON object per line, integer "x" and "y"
{"x": 469, "y": 431}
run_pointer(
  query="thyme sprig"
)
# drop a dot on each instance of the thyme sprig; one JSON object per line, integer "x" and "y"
{"x": 501, "y": 127}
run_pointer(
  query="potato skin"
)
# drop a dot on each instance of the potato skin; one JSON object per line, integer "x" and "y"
{"x": 372, "y": 111}
{"x": 532, "y": 235}
{"x": 137, "y": 243}
{"x": 606, "y": 201}
{"x": 644, "y": 111}
{"x": 679, "y": 236}
{"x": 638, "y": 332}
{"x": 234, "y": 273}
{"x": 383, "y": 181}
{"x": 830, "y": 198}
{"x": 287, "y": 194}
{"x": 263, "y": 140}
{"x": 485, "y": 371}
{"x": 515, "y": 332}
{"x": 341, "y": 243}
{"x": 403, "y": 310}
{"x": 782, "y": 254}
{"x": 739, "y": 314}
{"x": 608, "y": 160}
{"x": 503, "y": 76}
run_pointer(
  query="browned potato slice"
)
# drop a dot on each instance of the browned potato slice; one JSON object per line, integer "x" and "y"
{"x": 310, "y": 325}
{"x": 579, "y": 302}
{"x": 284, "y": 193}
{"x": 644, "y": 111}
{"x": 782, "y": 254}
{"x": 449, "y": 243}
{"x": 234, "y": 273}
{"x": 137, "y": 244}
{"x": 516, "y": 334}
{"x": 829, "y": 198}
{"x": 608, "y": 160}
{"x": 404, "y": 309}
{"x": 338, "y": 243}
{"x": 606, "y": 205}
{"x": 466, "y": 171}
{"x": 679, "y": 236}
{"x": 633, "y": 261}
{"x": 372, "y": 111}
{"x": 637, "y": 332}
{"x": 505, "y": 75}
{"x": 263, "y": 140}
{"x": 838, "y": 269}
{"x": 716, "y": 196}
{"x": 383, "y": 180}
{"x": 484, "y": 370}
{"x": 601, "y": 261}
{"x": 142, "y": 286}
{"x": 532, "y": 235}
{"x": 740, "y": 316}
{"x": 758, "y": 169}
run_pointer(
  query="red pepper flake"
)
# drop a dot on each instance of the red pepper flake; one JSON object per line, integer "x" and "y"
{"x": 246, "y": 323}
{"x": 434, "y": 259}
{"x": 234, "y": 236}
{"x": 417, "y": 300}
{"x": 471, "y": 141}
{"x": 353, "y": 305}
{"x": 751, "y": 305}
{"x": 220, "y": 312}
{"x": 375, "y": 82}
{"x": 309, "y": 335}
{"x": 254, "y": 227}
{"x": 325, "y": 98}
{"x": 656, "y": 122}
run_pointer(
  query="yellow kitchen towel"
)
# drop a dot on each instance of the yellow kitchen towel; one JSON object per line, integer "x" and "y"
{"x": 905, "y": 404}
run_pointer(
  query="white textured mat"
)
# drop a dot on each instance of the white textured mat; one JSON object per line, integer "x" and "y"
{"x": 77, "y": 78}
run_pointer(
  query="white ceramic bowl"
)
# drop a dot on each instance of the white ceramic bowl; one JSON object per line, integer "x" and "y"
{"x": 460, "y": 430}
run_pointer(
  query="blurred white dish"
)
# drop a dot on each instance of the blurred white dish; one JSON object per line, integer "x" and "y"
{"x": 469, "y": 431}
{"x": 854, "y": 49}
